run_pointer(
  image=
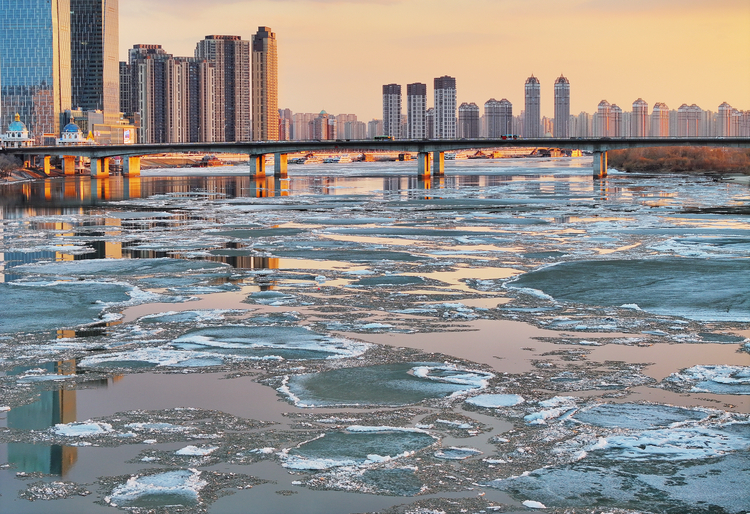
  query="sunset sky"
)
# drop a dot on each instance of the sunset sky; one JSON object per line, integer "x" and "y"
{"x": 337, "y": 54}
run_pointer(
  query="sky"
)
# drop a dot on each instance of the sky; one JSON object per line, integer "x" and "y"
{"x": 335, "y": 55}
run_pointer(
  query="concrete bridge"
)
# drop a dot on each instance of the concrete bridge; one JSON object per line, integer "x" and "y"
{"x": 430, "y": 161}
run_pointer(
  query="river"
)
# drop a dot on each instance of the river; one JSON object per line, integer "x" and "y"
{"x": 514, "y": 335}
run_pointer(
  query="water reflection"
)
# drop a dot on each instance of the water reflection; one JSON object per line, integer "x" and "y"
{"x": 53, "y": 407}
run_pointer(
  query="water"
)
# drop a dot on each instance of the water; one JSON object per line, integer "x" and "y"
{"x": 355, "y": 338}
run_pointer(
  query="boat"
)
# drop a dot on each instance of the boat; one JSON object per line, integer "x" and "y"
{"x": 209, "y": 161}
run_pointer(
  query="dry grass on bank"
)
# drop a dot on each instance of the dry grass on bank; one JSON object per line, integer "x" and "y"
{"x": 681, "y": 159}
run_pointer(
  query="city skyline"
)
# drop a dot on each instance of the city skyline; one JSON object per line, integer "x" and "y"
{"x": 663, "y": 62}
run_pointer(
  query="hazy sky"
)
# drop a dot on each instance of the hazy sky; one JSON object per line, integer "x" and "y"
{"x": 337, "y": 54}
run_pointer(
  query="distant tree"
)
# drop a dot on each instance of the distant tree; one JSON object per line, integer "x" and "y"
{"x": 681, "y": 159}
{"x": 9, "y": 163}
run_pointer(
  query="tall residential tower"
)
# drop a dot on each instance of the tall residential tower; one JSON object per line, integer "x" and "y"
{"x": 416, "y": 109}
{"x": 532, "y": 122}
{"x": 265, "y": 86}
{"x": 230, "y": 56}
{"x": 445, "y": 107}
{"x": 562, "y": 107}
{"x": 392, "y": 110}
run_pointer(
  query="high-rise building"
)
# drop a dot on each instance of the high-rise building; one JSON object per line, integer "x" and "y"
{"x": 724, "y": 120}
{"x": 498, "y": 117}
{"x": 35, "y": 64}
{"x": 173, "y": 96}
{"x": 392, "y": 110}
{"x": 660, "y": 120}
{"x": 532, "y": 123}
{"x": 615, "y": 121}
{"x": 374, "y": 128}
{"x": 445, "y": 107}
{"x": 94, "y": 49}
{"x": 416, "y": 109}
{"x": 468, "y": 120}
{"x": 562, "y": 107}
{"x": 582, "y": 125}
{"x": 429, "y": 121}
{"x": 689, "y": 121}
{"x": 231, "y": 58}
{"x": 265, "y": 86}
{"x": 603, "y": 120}
{"x": 639, "y": 119}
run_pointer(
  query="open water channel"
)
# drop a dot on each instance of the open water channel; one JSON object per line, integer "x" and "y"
{"x": 510, "y": 337}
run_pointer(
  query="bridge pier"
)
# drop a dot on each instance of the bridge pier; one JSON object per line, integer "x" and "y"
{"x": 131, "y": 166}
{"x": 69, "y": 164}
{"x": 279, "y": 165}
{"x": 423, "y": 164}
{"x": 99, "y": 167}
{"x": 438, "y": 163}
{"x": 600, "y": 164}
{"x": 258, "y": 165}
{"x": 46, "y": 164}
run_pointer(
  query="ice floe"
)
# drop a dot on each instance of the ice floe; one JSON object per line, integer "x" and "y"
{"x": 357, "y": 446}
{"x": 181, "y": 487}
{"x": 711, "y": 379}
{"x": 386, "y": 384}
{"x": 494, "y": 401}
{"x": 82, "y": 429}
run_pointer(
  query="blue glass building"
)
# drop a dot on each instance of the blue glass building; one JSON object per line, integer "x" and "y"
{"x": 95, "y": 73}
{"x": 35, "y": 79}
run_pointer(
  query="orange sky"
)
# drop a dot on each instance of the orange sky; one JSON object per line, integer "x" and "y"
{"x": 337, "y": 54}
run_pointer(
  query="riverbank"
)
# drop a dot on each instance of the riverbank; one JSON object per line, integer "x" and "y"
{"x": 678, "y": 159}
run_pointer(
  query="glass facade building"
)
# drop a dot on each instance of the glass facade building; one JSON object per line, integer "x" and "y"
{"x": 35, "y": 63}
{"x": 95, "y": 74}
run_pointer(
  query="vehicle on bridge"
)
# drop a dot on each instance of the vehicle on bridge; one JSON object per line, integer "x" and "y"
{"x": 509, "y": 136}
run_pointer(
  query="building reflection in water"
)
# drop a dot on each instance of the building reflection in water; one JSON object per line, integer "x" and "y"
{"x": 51, "y": 408}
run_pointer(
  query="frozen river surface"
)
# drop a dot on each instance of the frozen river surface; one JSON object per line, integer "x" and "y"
{"x": 510, "y": 337}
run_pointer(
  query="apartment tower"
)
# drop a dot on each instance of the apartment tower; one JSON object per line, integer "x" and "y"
{"x": 392, "y": 110}
{"x": 416, "y": 110}
{"x": 265, "y": 86}
{"x": 445, "y": 108}
{"x": 562, "y": 107}
{"x": 231, "y": 57}
{"x": 639, "y": 119}
{"x": 660, "y": 120}
{"x": 468, "y": 120}
{"x": 532, "y": 122}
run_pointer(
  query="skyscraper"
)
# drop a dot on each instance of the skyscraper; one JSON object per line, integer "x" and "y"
{"x": 392, "y": 110}
{"x": 35, "y": 64}
{"x": 660, "y": 120}
{"x": 499, "y": 117}
{"x": 532, "y": 126}
{"x": 94, "y": 48}
{"x": 468, "y": 120}
{"x": 416, "y": 109}
{"x": 639, "y": 119}
{"x": 265, "y": 86}
{"x": 602, "y": 119}
{"x": 231, "y": 58}
{"x": 445, "y": 107}
{"x": 174, "y": 96}
{"x": 562, "y": 107}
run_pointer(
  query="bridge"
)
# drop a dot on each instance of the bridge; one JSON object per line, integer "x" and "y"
{"x": 431, "y": 152}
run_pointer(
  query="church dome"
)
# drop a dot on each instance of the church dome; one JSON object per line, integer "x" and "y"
{"x": 71, "y": 128}
{"x": 17, "y": 125}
